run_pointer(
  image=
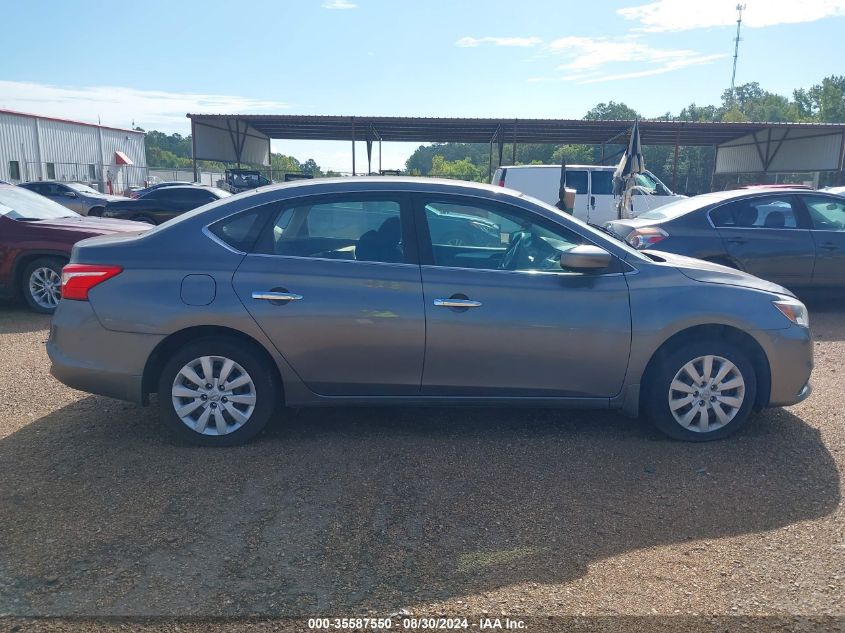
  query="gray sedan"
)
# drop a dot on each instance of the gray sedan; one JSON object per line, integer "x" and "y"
{"x": 75, "y": 196}
{"x": 333, "y": 292}
{"x": 794, "y": 237}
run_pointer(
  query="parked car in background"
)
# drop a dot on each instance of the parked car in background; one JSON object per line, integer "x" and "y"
{"x": 75, "y": 196}
{"x": 593, "y": 185}
{"x": 839, "y": 191}
{"x": 289, "y": 295}
{"x": 237, "y": 180}
{"x": 163, "y": 203}
{"x": 142, "y": 191}
{"x": 795, "y": 237}
{"x": 36, "y": 237}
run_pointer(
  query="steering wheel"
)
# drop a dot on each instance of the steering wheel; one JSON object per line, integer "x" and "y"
{"x": 516, "y": 251}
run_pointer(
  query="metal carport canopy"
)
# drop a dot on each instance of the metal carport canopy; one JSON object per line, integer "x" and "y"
{"x": 467, "y": 130}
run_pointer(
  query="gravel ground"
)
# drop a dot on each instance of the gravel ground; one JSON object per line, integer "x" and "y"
{"x": 524, "y": 513}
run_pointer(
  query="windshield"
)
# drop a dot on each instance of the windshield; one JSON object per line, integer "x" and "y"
{"x": 599, "y": 232}
{"x": 19, "y": 204}
{"x": 78, "y": 186}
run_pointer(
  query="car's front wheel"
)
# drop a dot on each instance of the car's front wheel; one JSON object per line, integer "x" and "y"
{"x": 700, "y": 391}
{"x": 217, "y": 392}
{"x": 41, "y": 283}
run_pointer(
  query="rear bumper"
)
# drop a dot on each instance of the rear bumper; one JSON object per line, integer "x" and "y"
{"x": 790, "y": 353}
{"x": 88, "y": 357}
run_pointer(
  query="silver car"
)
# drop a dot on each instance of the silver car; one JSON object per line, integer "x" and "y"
{"x": 333, "y": 292}
{"x": 75, "y": 196}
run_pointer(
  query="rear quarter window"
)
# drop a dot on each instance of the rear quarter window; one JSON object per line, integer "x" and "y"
{"x": 240, "y": 231}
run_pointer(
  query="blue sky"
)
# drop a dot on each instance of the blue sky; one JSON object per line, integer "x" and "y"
{"x": 152, "y": 61}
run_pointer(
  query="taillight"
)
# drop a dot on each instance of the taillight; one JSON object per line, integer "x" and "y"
{"x": 78, "y": 279}
{"x": 646, "y": 237}
{"x": 502, "y": 174}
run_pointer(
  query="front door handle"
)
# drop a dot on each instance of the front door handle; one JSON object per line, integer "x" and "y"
{"x": 457, "y": 303}
{"x": 269, "y": 295}
{"x": 829, "y": 247}
{"x": 736, "y": 240}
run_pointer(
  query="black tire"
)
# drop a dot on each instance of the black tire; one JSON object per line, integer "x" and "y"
{"x": 266, "y": 390}
{"x": 95, "y": 212}
{"x": 54, "y": 264}
{"x": 663, "y": 371}
{"x": 145, "y": 219}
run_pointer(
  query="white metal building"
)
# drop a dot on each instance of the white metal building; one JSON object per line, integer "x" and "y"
{"x": 34, "y": 147}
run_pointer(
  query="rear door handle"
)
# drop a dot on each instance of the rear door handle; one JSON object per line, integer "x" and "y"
{"x": 736, "y": 240}
{"x": 268, "y": 295}
{"x": 829, "y": 247}
{"x": 457, "y": 303}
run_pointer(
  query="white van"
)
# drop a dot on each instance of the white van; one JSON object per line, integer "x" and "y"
{"x": 593, "y": 184}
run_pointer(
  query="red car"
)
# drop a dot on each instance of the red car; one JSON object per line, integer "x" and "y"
{"x": 36, "y": 237}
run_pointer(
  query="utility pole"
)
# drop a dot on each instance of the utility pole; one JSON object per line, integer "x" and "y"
{"x": 739, "y": 9}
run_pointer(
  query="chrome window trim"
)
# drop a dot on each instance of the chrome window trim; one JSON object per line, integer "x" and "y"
{"x": 207, "y": 232}
{"x": 329, "y": 259}
{"x": 555, "y": 273}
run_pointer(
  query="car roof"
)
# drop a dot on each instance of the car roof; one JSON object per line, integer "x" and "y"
{"x": 375, "y": 183}
{"x": 568, "y": 166}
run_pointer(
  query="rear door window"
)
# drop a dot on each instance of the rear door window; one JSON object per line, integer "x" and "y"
{"x": 776, "y": 212}
{"x": 371, "y": 230}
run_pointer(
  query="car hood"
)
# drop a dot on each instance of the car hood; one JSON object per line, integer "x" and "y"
{"x": 95, "y": 226}
{"x": 712, "y": 273}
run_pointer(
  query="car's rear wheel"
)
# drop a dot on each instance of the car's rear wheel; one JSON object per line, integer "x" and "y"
{"x": 41, "y": 283}
{"x": 217, "y": 392}
{"x": 95, "y": 212}
{"x": 700, "y": 391}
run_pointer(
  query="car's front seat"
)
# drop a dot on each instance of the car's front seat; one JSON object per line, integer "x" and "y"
{"x": 775, "y": 220}
{"x": 381, "y": 245}
{"x": 746, "y": 216}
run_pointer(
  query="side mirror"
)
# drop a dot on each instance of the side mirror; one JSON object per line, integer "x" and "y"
{"x": 70, "y": 194}
{"x": 585, "y": 258}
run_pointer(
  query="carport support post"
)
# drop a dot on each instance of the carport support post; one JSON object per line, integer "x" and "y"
{"x": 513, "y": 147}
{"x": 353, "y": 146}
{"x": 675, "y": 165}
{"x": 713, "y": 173}
{"x": 369, "y": 157}
{"x": 490, "y": 162}
{"x": 194, "y": 150}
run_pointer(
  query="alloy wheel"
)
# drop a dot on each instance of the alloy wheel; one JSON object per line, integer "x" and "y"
{"x": 45, "y": 286}
{"x": 213, "y": 395}
{"x": 706, "y": 393}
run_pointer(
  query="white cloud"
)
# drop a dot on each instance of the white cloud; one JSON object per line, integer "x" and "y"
{"x": 683, "y": 15}
{"x": 338, "y": 4}
{"x": 523, "y": 42}
{"x": 119, "y": 106}
{"x": 676, "y": 64}
{"x": 596, "y": 59}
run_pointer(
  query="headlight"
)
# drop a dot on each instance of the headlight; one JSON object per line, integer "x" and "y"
{"x": 793, "y": 310}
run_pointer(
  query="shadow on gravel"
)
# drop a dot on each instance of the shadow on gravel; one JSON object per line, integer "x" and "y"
{"x": 333, "y": 511}
{"x": 16, "y": 319}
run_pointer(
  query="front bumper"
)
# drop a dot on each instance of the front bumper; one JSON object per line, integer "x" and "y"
{"x": 790, "y": 354}
{"x": 88, "y": 357}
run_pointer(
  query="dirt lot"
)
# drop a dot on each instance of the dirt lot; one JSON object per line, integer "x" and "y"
{"x": 460, "y": 512}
